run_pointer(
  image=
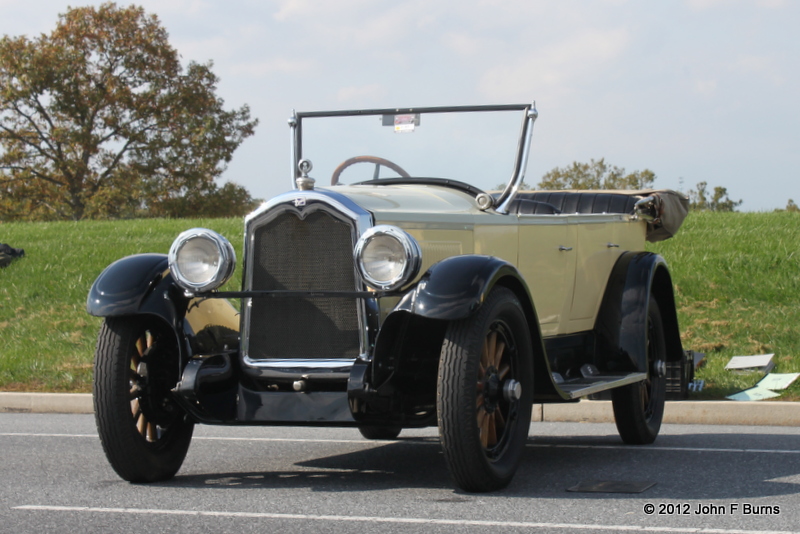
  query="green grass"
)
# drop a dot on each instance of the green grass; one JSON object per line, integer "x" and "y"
{"x": 737, "y": 281}
{"x": 737, "y": 278}
{"x": 47, "y": 338}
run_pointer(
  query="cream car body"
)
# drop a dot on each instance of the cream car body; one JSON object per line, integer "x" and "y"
{"x": 393, "y": 303}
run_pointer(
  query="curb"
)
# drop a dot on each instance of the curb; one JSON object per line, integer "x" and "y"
{"x": 46, "y": 403}
{"x": 676, "y": 412}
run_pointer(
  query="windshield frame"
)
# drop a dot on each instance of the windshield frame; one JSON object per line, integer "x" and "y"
{"x": 521, "y": 156}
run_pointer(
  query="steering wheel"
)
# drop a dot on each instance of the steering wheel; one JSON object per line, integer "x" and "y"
{"x": 367, "y": 159}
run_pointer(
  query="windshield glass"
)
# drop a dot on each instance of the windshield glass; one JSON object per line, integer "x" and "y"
{"x": 476, "y": 147}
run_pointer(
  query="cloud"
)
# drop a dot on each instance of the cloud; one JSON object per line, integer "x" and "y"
{"x": 575, "y": 57}
{"x": 311, "y": 9}
{"x": 701, "y": 5}
{"x": 705, "y": 87}
{"x": 362, "y": 93}
{"x": 263, "y": 68}
{"x": 765, "y": 67}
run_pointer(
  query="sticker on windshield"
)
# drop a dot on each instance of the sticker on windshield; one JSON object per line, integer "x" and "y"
{"x": 405, "y": 123}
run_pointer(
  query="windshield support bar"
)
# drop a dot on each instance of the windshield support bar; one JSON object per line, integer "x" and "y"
{"x": 521, "y": 163}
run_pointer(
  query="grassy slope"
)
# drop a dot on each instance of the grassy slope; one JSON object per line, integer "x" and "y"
{"x": 737, "y": 278}
{"x": 47, "y": 336}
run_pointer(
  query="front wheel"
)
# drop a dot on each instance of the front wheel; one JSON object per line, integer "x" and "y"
{"x": 639, "y": 407}
{"x": 485, "y": 391}
{"x": 145, "y": 435}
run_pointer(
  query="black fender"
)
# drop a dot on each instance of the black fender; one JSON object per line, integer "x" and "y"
{"x": 135, "y": 285}
{"x": 621, "y": 324}
{"x": 456, "y": 287}
{"x": 451, "y": 290}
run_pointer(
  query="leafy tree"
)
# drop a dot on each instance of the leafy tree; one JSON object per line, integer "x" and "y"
{"x": 701, "y": 199}
{"x": 98, "y": 118}
{"x": 792, "y": 207}
{"x": 230, "y": 200}
{"x": 524, "y": 186}
{"x": 596, "y": 175}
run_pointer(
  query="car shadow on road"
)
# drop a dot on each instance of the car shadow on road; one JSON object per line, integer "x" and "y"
{"x": 406, "y": 462}
{"x": 550, "y": 465}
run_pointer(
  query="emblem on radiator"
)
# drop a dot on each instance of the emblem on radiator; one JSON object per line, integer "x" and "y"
{"x": 299, "y": 202}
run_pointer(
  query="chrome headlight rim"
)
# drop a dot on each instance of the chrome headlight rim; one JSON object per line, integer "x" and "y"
{"x": 224, "y": 265}
{"x": 411, "y": 252}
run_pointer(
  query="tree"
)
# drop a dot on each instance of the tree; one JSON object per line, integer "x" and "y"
{"x": 791, "y": 207}
{"x": 718, "y": 201}
{"x": 98, "y": 118}
{"x": 230, "y": 200}
{"x": 596, "y": 175}
{"x": 524, "y": 186}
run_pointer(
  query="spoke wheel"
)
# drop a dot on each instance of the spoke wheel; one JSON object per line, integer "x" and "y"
{"x": 145, "y": 435}
{"x": 380, "y": 432}
{"x": 485, "y": 390}
{"x": 639, "y": 408}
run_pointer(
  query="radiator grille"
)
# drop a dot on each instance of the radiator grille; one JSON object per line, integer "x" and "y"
{"x": 313, "y": 254}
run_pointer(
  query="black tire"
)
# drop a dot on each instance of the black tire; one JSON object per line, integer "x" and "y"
{"x": 380, "y": 432}
{"x": 639, "y": 407}
{"x": 145, "y": 435}
{"x": 482, "y": 430}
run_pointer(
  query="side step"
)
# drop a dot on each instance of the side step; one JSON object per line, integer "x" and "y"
{"x": 581, "y": 387}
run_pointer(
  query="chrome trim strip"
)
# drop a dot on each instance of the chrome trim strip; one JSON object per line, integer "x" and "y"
{"x": 292, "y": 369}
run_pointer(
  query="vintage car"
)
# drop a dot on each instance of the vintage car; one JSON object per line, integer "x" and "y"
{"x": 411, "y": 300}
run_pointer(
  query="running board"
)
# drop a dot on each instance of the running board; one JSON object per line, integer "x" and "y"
{"x": 581, "y": 387}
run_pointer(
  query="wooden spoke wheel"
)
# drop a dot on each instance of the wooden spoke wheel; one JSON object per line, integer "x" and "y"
{"x": 639, "y": 407}
{"x": 485, "y": 391}
{"x": 144, "y": 433}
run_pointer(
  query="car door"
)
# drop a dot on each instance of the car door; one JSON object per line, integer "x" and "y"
{"x": 547, "y": 259}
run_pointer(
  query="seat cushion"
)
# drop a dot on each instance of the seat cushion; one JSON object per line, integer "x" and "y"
{"x": 583, "y": 202}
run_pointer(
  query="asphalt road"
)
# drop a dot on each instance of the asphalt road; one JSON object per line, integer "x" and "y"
{"x": 722, "y": 478}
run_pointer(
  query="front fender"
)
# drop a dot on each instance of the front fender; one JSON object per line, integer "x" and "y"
{"x": 139, "y": 284}
{"x": 456, "y": 287}
{"x": 143, "y": 285}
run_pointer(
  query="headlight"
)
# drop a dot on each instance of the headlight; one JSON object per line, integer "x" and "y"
{"x": 201, "y": 260}
{"x": 387, "y": 257}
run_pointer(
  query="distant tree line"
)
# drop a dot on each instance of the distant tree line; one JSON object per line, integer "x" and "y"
{"x": 597, "y": 174}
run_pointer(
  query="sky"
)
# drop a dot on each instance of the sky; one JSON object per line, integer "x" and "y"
{"x": 694, "y": 90}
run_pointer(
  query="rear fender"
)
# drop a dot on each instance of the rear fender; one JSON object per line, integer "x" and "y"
{"x": 621, "y": 325}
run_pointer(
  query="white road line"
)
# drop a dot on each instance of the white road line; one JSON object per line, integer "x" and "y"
{"x": 431, "y": 441}
{"x": 657, "y": 448}
{"x": 391, "y": 520}
{"x": 39, "y": 434}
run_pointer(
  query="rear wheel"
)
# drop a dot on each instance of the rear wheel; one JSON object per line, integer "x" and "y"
{"x": 380, "y": 432}
{"x": 485, "y": 390}
{"x": 639, "y": 407}
{"x": 144, "y": 433}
